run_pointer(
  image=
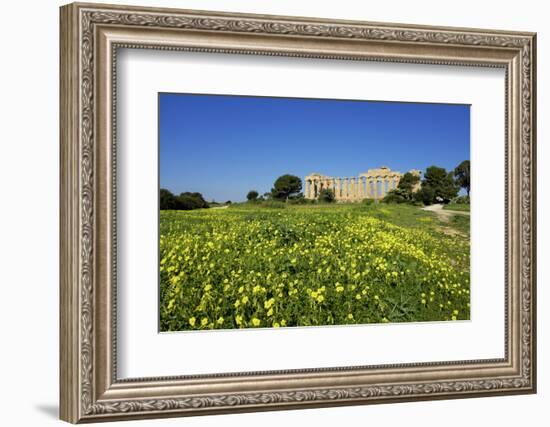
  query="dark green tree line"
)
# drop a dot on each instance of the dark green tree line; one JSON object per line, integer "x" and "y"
{"x": 185, "y": 201}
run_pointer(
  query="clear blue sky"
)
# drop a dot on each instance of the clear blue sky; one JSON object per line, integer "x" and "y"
{"x": 224, "y": 146}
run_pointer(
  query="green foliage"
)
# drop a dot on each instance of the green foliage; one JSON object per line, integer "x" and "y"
{"x": 189, "y": 201}
{"x": 462, "y": 175}
{"x": 299, "y": 200}
{"x": 462, "y": 200}
{"x": 252, "y": 195}
{"x": 286, "y": 186}
{"x": 425, "y": 195}
{"x": 408, "y": 181}
{"x": 326, "y": 195}
{"x": 185, "y": 201}
{"x": 404, "y": 191}
{"x": 398, "y": 195}
{"x": 251, "y": 266}
{"x": 368, "y": 201}
{"x": 437, "y": 186}
{"x": 167, "y": 200}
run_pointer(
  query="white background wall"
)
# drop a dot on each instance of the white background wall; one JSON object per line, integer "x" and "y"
{"x": 29, "y": 176}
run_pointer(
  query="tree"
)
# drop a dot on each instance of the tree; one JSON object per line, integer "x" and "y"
{"x": 404, "y": 191}
{"x": 398, "y": 195}
{"x": 285, "y": 186}
{"x": 462, "y": 175}
{"x": 185, "y": 201}
{"x": 326, "y": 195}
{"x": 188, "y": 201}
{"x": 252, "y": 195}
{"x": 167, "y": 200}
{"x": 437, "y": 185}
{"x": 408, "y": 181}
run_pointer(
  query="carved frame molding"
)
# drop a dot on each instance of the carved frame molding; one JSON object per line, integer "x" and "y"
{"x": 90, "y": 36}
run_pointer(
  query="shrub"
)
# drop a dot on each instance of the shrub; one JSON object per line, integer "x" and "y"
{"x": 462, "y": 200}
{"x": 398, "y": 195}
{"x": 299, "y": 201}
{"x": 326, "y": 195}
{"x": 167, "y": 200}
{"x": 185, "y": 201}
{"x": 188, "y": 201}
{"x": 425, "y": 195}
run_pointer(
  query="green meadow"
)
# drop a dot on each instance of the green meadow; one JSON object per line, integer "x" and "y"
{"x": 249, "y": 265}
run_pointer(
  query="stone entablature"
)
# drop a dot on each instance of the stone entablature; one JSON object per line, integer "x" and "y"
{"x": 374, "y": 184}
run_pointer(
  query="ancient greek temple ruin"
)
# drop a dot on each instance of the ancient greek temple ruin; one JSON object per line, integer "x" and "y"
{"x": 374, "y": 184}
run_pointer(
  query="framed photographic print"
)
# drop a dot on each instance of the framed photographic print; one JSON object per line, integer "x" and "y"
{"x": 265, "y": 212}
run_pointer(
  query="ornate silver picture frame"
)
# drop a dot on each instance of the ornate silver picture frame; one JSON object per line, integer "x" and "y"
{"x": 91, "y": 391}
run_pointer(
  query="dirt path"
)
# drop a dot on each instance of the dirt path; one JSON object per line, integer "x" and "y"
{"x": 443, "y": 214}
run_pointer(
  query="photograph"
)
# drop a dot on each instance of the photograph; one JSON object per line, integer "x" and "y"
{"x": 297, "y": 212}
{"x": 271, "y": 209}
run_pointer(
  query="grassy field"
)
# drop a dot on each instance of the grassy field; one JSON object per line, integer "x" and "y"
{"x": 251, "y": 266}
{"x": 461, "y": 207}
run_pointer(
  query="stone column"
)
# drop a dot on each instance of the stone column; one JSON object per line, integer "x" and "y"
{"x": 344, "y": 188}
{"x": 306, "y": 189}
{"x": 338, "y": 194}
{"x": 370, "y": 186}
{"x": 315, "y": 188}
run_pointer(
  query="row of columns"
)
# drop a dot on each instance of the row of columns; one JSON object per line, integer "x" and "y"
{"x": 363, "y": 187}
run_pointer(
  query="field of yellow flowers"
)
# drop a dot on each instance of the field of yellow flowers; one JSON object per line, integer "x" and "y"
{"x": 251, "y": 266}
